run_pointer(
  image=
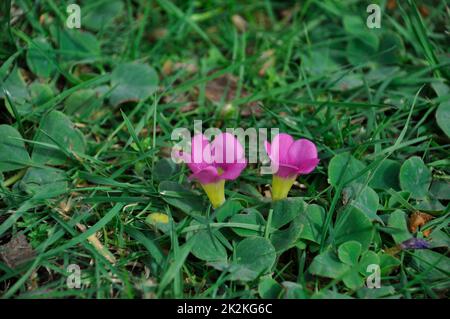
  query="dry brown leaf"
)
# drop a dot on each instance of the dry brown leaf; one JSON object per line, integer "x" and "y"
{"x": 158, "y": 33}
{"x": 391, "y": 4}
{"x": 239, "y": 22}
{"x": 167, "y": 67}
{"x": 424, "y": 11}
{"x": 17, "y": 251}
{"x": 269, "y": 60}
{"x": 227, "y": 84}
{"x": 419, "y": 219}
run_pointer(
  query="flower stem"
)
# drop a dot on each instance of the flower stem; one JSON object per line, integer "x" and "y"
{"x": 14, "y": 178}
{"x": 215, "y": 192}
{"x": 281, "y": 186}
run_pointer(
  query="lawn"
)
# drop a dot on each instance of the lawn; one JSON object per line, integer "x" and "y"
{"x": 93, "y": 203}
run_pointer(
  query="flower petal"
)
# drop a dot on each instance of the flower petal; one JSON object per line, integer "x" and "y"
{"x": 226, "y": 149}
{"x": 267, "y": 147}
{"x": 303, "y": 155}
{"x": 279, "y": 148}
{"x": 232, "y": 171}
{"x": 285, "y": 170}
{"x": 200, "y": 156}
{"x": 206, "y": 175}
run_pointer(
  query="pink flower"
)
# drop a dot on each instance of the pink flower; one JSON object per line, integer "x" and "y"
{"x": 289, "y": 159}
{"x": 213, "y": 163}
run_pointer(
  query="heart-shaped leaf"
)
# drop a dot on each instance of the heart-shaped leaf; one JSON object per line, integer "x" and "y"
{"x": 99, "y": 15}
{"x": 207, "y": 247}
{"x": 349, "y": 252}
{"x": 251, "y": 217}
{"x": 353, "y": 224}
{"x": 415, "y": 177}
{"x": 386, "y": 176}
{"x": 13, "y": 154}
{"x": 312, "y": 219}
{"x": 44, "y": 181}
{"x": 398, "y": 226}
{"x": 228, "y": 209}
{"x": 367, "y": 201}
{"x": 60, "y": 136}
{"x": 345, "y": 167}
{"x": 443, "y": 117}
{"x": 18, "y": 93}
{"x": 40, "y": 57}
{"x": 83, "y": 103}
{"x": 132, "y": 82}
{"x": 269, "y": 288}
{"x": 254, "y": 256}
{"x": 286, "y": 210}
{"x": 78, "y": 46}
{"x": 327, "y": 265}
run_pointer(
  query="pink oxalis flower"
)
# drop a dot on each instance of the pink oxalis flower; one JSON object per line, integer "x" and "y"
{"x": 289, "y": 159}
{"x": 214, "y": 163}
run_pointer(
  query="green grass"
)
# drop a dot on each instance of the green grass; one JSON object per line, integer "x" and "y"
{"x": 324, "y": 83}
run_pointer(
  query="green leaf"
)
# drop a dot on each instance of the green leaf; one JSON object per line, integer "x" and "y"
{"x": 207, "y": 247}
{"x": 58, "y": 131}
{"x": 391, "y": 49}
{"x": 368, "y": 258}
{"x": 269, "y": 288}
{"x": 429, "y": 205}
{"x": 353, "y": 224}
{"x": 228, "y": 209}
{"x": 399, "y": 228}
{"x": 386, "y": 176}
{"x": 13, "y": 154}
{"x": 312, "y": 219}
{"x": 388, "y": 263}
{"x": 254, "y": 256}
{"x": 440, "y": 190}
{"x": 44, "y": 180}
{"x": 443, "y": 117}
{"x": 359, "y": 52}
{"x": 318, "y": 61}
{"x": 415, "y": 177}
{"x": 353, "y": 280}
{"x": 395, "y": 201}
{"x": 83, "y": 103}
{"x": 98, "y": 16}
{"x": 16, "y": 87}
{"x": 347, "y": 82}
{"x": 78, "y": 46}
{"x": 436, "y": 265}
{"x": 293, "y": 290}
{"x": 439, "y": 238}
{"x": 328, "y": 265}
{"x": 367, "y": 201}
{"x": 349, "y": 252}
{"x": 383, "y": 291}
{"x": 330, "y": 294}
{"x": 132, "y": 82}
{"x": 287, "y": 238}
{"x": 251, "y": 217}
{"x": 40, "y": 57}
{"x": 355, "y": 26}
{"x": 184, "y": 199}
{"x": 40, "y": 93}
{"x": 286, "y": 210}
{"x": 165, "y": 169}
{"x": 345, "y": 167}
